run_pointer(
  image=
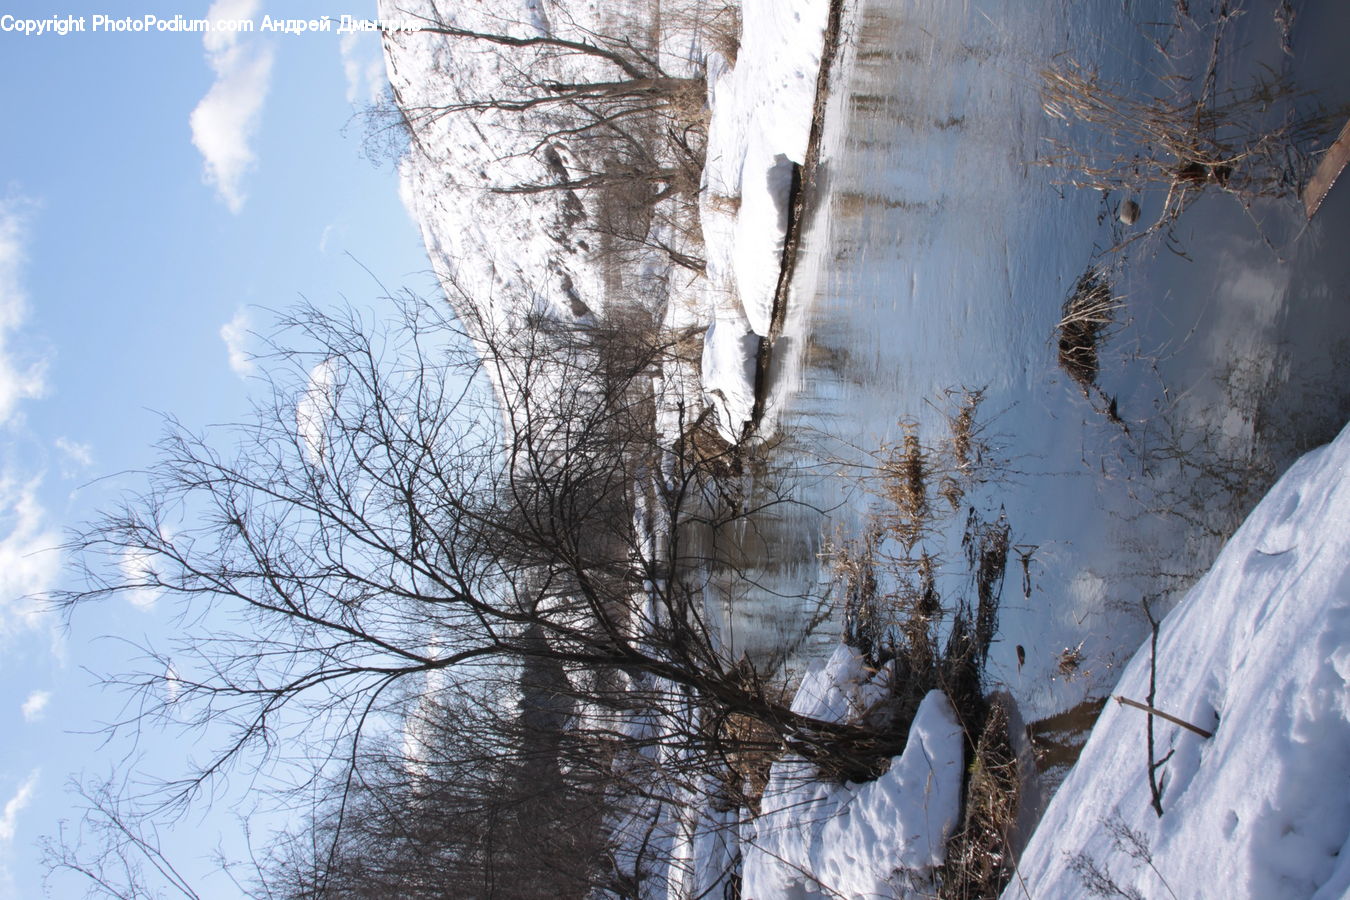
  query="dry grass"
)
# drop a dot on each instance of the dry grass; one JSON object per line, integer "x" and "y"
{"x": 853, "y": 564}
{"x": 979, "y": 862}
{"x": 894, "y": 614}
{"x": 1173, "y": 132}
{"x": 727, "y": 205}
{"x": 707, "y": 450}
{"x": 755, "y": 747}
{"x": 1088, "y": 314}
{"x": 967, "y": 447}
{"x": 1070, "y": 662}
{"x": 687, "y": 346}
{"x": 687, "y": 106}
{"x": 904, "y": 485}
{"x": 1194, "y": 138}
{"x": 950, "y": 489}
{"x": 987, "y": 545}
{"x": 722, "y": 31}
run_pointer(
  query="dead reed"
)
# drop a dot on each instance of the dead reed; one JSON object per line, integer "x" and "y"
{"x": 891, "y": 580}
{"x": 1087, "y": 316}
{"x": 979, "y": 860}
{"x": 966, "y": 446}
{"x": 1195, "y": 137}
{"x": 905, "y": 468}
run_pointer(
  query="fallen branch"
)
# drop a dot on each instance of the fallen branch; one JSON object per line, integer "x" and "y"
{"x": 1327, "y": 172}
{"x": 1126, "y": 701}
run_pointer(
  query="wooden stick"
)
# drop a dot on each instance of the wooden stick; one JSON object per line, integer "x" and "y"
{"x": 1126, "y": 701}
{"x": 1332, "y": 163}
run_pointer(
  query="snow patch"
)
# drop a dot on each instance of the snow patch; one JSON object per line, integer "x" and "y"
{"x": 730, "y": 355}
{"x": 1259, "y": 653}
{"x": 762, "y": 110}
{"x": 818, "y": 839}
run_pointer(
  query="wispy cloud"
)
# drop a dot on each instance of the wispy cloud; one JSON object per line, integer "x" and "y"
{"x": 314, "y": 409}
{"x": 363, "y": 64}
{"x": 29, "y": 560}
{"x": 28, "y": 563}
{"x": 35, "y": 705}
{"x": 226, "y": 120}
{"x": 19, "y": 379}
{"x": 9, "y": 821}
{"x": 73, "y": 452}
{"x": 173, "y": 685}
{"x": 235, "y": 334}
{"x": 138, "y": 574}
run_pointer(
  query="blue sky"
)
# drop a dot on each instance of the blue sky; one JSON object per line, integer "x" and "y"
{"x": 156, "y": 190}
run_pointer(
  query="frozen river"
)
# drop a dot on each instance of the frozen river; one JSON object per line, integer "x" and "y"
{"x": 938, "y": 255}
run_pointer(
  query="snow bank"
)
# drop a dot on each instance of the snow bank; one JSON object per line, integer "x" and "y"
{"x": 730, "y": 354}
{"x": 842, "y": 690}
{"x": 703, "y": 853}
{"x": 761, "y": 124}
{"x": 1259, "y": 653}
{"x": 762, "y": 109}
{"x": 504, "y": 258}
{"x": 818, "y": 839}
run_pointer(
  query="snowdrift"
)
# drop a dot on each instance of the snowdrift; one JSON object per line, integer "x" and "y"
{"x": 817, "y": 839}
{"x": 1259, "y": 654}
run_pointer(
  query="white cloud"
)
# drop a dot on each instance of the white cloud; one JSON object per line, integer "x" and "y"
{"x": 19, "y": 380}
{"x": 138, "y": 574}
{"x": 235, "y": 334}
{"x": 76, "y": 454}
{"x": 29, "y": 559}
{"x": 35, "y": 705}
{"x": 228, "y": 9}
{"x": 10, "y": 819}
{"x": 29, "y": 564}
{"x": 173, "y": 685}
{"x": 363, "y": 64}
{"x": 226, "y": 120}
{"x": 314, "y": 409}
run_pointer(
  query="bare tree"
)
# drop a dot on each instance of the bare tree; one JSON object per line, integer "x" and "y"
{"x": 611, "y": 123}
{"x": 568, "y": 83}
{"x": 113, "y": 852}
{"x": 481, "y": 797}
{"x": 381, "y": 518}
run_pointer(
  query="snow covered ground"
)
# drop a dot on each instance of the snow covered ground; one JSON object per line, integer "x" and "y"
{"x": 1259, "y": 654}
{"x": 941, "y": 262}
{"x": 762, "y": 110}
{"x": 816, "y": 838}
{"x": 760, "y": 125}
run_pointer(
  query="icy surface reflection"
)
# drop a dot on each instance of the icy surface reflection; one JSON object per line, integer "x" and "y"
{"x": 938, "y": 258}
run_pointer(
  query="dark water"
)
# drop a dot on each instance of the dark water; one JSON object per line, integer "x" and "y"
{"x": 939, "y": 255}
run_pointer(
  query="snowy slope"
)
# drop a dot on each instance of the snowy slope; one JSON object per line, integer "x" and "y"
{"x": 1259, "y": 654}
{"x": 508, "y": 258}
{"x": 761, "y": 114}
{"x": 504, "y": 257}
